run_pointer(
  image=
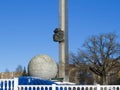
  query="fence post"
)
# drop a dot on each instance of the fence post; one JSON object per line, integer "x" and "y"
{"x": 98, "y": 86}
{"x": 15, "y": 83}
{"x": 53, "y": 87}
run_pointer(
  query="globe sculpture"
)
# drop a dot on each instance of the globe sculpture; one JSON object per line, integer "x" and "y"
{"x": 42, "y": 66}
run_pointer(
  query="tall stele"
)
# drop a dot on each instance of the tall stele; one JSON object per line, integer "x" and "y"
{"x": 42, "y": 66}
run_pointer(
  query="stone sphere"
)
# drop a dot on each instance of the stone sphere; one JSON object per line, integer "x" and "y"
{"x": 42, "y": 66}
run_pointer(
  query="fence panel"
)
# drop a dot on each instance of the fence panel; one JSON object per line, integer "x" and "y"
{"x": 68, "y": 87}
{"x": 87, "y": 87}
{"x": 35, "y": 87}
{"x": 6, "y": 84}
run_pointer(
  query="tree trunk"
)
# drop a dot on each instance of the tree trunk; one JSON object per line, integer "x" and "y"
{"x": 105, "y": 80}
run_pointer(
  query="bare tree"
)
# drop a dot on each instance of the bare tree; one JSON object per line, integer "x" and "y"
{"x": 83, "y": 74}
{"x": 7, "y": 70}
{"x": 19, "y": 68}
{"x": 103, "y": 53}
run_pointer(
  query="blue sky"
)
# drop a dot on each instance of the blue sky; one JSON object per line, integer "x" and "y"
{"x": 26, "y": 27}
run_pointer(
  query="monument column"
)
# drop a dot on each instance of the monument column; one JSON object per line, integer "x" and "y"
{"x": 63, "y": 45}
{"x": 61, "y": 36}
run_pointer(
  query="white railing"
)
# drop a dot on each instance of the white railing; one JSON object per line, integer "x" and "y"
{"x": 35, "y": 87}
{"x": 6, "y": 84}
{"x": 69, "y": 87}
{"x": 12, "y": 84}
